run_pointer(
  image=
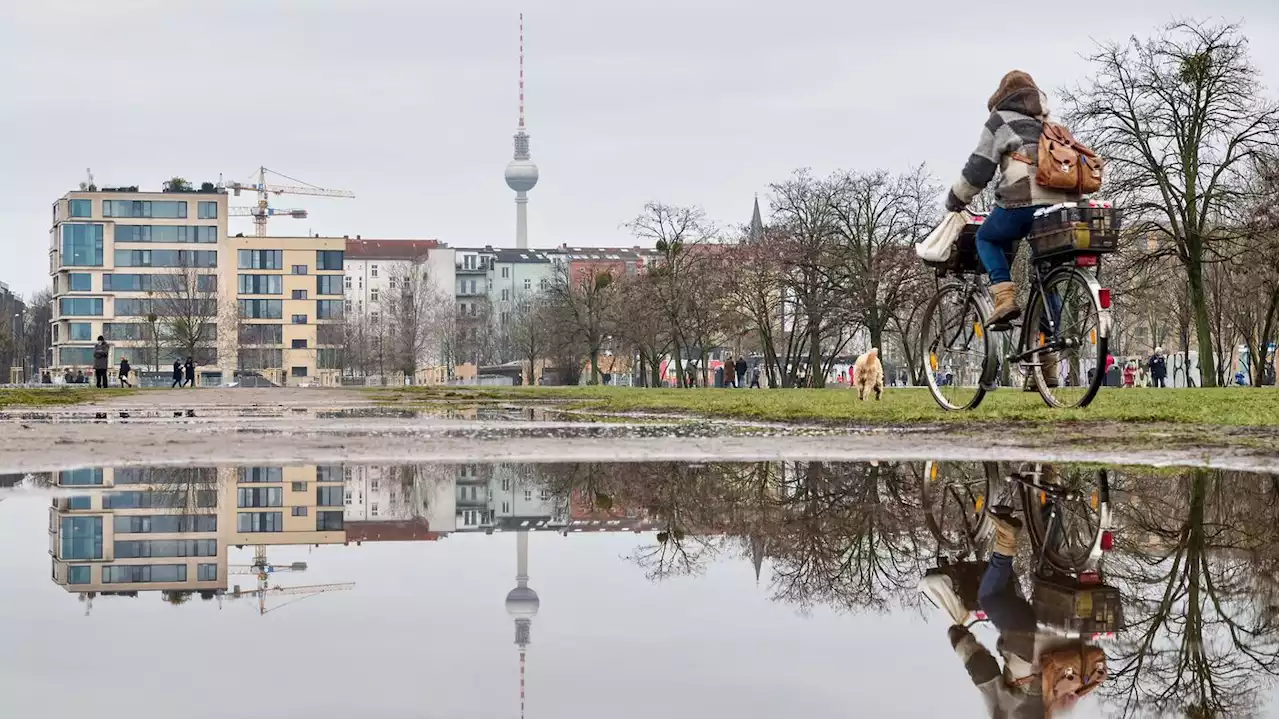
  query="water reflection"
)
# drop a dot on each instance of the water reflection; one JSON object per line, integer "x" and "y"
{"x": 1191, "y": 568}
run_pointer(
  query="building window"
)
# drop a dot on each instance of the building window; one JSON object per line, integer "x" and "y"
{"x": 206, "y": 572}
{"x": 506, "y": 295}
{"x": 81, "y": 245}
{"x": 528, "y": 284}
{"x": 80, "y": 502}
{"x": 259, "y": 522}
{"x": 328, "y": 309}
{"x": 80, "y": 477}
{"x": 505, "y": 272}
{"x": 346, "y": 282}
{"x": 207, "y": 211}
{"x": 329, "y": 260}
{"x": 543, "y": 284}
{"x": 329, "y": 285}
{"x": 259, "y": 284}
{"x": 158, "y": 500}
{"x": 328, "y": 521}
{"x": 206, "y": 234}
{"x": 299, "y": 511}
{"x": 166, "y": 258}
{"x": 80, "y": 332}
{"x": 299, "y": 319}
{"x": 80, "y": 574}
{"x": 80, "y": 208}
{"x": 259, "y": 497}
{"x": 329, "y": 358}
{"x": 329, "y": 496}
{"x": 393, "y": 283}
{"x": 166, "y": 523}
{"x": 528, "y": 495}
{"x": 263, "y": 475}
{"x": 299, "y": 344}
{"x": 261, "y": 334}
{"x": 373, "y": 270}
{"x": 298, "y": 372}
{"x": 141, "y": 573}
{"x": 298, "y": 486}
{"x": 144, "y": 548}
{"x": 80, "y": 306}
{"x": 329, "y": 473}
{"x": 164, "y": 209}
{"x": 373, "y": 295}
{"x": 260, "y": 309}
{"x": 81, "y": 538}
{"x": 259, "y": 259}
{"x": 373, "y": 509}
{"x": 299, "y": 269}
{"x": 299, "y": 294}
{"x": 80, "y": 282}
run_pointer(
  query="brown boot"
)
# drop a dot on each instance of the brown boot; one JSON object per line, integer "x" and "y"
{"x": 1006, "y": 304}
{"x": 1007, "y": 527}
{"x": 1049, "y": 366}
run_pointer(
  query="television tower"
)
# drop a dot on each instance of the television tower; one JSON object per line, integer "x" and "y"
{"x": 521, "y": 174}
{"x": 522, "y": 604}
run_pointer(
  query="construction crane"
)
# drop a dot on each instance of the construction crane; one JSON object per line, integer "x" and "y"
{"x": 308, "y": 591}
{"x": 262, "y": 211}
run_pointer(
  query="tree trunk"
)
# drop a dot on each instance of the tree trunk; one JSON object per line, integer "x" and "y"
{"x": 816, "y": 380}
{"x": 595, "y": 366}
{"x": 1200, "y": 309}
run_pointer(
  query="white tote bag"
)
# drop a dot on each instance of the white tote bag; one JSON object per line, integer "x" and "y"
{"x": 937, "y": 246}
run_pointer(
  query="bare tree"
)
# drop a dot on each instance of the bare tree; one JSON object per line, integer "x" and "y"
{"x": 528, "y": 331}
{"x": 414, "y": 312}
{"x": 586, "y": 308}
{"x": 185, "y": 304}
{"x": 1177, "y": 116}
{"x": 36, "y": 330}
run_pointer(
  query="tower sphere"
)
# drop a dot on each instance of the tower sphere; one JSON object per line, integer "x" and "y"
{"x": 521, "y": 175}
{"x": 522, "y": 602}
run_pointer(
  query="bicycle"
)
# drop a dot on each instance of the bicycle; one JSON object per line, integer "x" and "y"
{"x": 1065, "y": 323}
{"x": 1067, "y": 513}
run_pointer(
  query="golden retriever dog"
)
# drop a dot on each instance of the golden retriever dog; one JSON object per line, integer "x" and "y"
{"x": 868, "y": 374}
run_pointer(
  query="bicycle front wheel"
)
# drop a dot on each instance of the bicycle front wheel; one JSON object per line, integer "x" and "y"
{"x": 1066, "y": 333}
{"x": 955, "y": 348}
{"x": 954, "y": 496}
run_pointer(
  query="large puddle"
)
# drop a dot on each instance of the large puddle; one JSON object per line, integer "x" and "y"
{"x": 759, "y": 589}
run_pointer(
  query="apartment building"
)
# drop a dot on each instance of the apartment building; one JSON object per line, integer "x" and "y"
{"x": 116, "y": 258}
{"x": 289, "y": 292}
{"x": 170, "y": 529}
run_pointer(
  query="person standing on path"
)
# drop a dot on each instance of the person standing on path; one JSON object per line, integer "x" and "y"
{"x": 740, "y": 368}
{"x": 191, "y": 373}
{"x": 177, "y": 374}
{"x": 1156, "y": 366}
{"x": 729, "y": 371}
{"x": 124, "y": 372}
{"x": 101, "y": 352}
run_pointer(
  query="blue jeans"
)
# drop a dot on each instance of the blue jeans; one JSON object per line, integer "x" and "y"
{"x": 998, "y": 237}
{"x": 1007, "y": 610}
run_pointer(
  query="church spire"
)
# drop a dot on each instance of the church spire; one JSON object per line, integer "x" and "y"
{"x": 755, "y": 232}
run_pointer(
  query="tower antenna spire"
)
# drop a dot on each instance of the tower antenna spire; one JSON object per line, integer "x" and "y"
{"x": 521, "y": 71}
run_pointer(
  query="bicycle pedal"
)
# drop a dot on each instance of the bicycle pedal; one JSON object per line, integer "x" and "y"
{"x": 1001, "y": 327}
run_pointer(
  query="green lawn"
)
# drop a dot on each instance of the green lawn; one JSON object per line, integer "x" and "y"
{"x": 1235, "y": 407}
{"x": 53, "y": 397}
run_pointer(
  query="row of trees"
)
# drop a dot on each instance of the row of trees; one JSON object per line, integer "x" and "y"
{"x": 1190, "y": 141}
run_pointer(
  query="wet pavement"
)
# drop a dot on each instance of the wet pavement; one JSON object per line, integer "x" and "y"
{"x": 576, "y": 589}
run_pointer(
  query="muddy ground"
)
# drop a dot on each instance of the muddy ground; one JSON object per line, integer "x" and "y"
{"x": 288, "y": 425}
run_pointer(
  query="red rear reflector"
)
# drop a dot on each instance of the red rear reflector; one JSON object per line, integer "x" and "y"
{"x": 1107, "y": 541}
{"x": 1104, "y": 298}
{"x": 1086, "y": 260}
{"x": 1090, "y": 578}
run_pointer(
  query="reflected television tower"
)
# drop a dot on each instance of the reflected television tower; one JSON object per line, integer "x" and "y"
{"x": 522, "y": 604}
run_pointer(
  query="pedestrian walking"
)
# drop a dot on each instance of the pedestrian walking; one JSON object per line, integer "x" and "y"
{"x": 755, "y": 377}
{"x": 191, "y": 373}
{"x": 741, "y": 370}
{"x": 124, "y": 372}
{"x": 101, "y": 353}
{"x": 177, "y": 374}
{"x": 1157, "y": 366}
{"x": 1130, "y": 370}
{"x": 728, "y": 366}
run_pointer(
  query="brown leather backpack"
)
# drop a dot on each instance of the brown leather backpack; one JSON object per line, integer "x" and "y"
{"x": 1063, "y": 163}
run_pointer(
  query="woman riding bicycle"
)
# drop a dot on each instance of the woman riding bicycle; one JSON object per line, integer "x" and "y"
{"x": 1009, "y": 143}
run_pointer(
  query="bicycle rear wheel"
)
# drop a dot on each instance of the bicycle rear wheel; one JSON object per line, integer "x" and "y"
{"x": 1066, "y": 325}
{"x": 955, "y": 348}
{"x": 1076, "y": 543}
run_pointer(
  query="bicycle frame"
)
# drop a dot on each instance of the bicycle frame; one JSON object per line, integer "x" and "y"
{"x": 1041, "y": 274}
{"x": 1053, "y": 496}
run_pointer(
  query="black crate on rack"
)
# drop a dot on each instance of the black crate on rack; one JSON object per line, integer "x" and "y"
{"x": 1075, "y": 227}
{"x": 1077, "y": 607}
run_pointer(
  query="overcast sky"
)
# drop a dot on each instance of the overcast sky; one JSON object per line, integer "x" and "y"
{"x": 412, "y": 104}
